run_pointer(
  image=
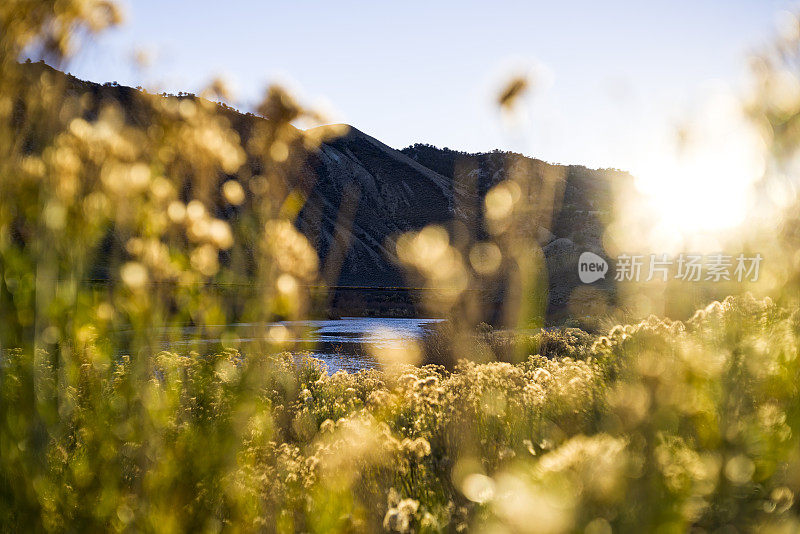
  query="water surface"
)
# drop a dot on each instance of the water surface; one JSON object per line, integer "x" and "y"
{"x": 342, "y": 344}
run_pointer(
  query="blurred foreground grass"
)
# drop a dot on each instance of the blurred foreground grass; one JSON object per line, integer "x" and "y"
{"x": 660, "y": 426}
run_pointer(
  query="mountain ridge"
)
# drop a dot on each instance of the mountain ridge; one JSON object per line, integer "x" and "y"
{"x": 393, "y": 191}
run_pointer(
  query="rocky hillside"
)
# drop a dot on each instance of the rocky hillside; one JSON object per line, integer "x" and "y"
{"x": 393, "y": 191}
{"x": 361, "y": 194}
{"x": 388, "y": 192}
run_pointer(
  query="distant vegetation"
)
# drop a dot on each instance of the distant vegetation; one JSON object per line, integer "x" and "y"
{"x": 123, "y": 212}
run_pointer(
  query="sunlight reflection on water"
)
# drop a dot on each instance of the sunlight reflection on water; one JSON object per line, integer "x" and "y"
{"x": 340, "y": 343}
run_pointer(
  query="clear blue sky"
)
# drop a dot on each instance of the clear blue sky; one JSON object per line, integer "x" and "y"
{"x": 611, "y": 73}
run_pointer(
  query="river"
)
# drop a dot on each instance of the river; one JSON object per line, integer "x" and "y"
{"x": 342, "y": 344}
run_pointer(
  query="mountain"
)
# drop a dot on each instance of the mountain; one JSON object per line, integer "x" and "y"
{"x": 395, "y": 194}
{"x": 360, "y": 194}
{"x": 396, "y": 191}
{"x": 578, "y": 204}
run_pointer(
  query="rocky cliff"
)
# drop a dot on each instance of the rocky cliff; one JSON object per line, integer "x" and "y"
{"x": 360, "y": 194}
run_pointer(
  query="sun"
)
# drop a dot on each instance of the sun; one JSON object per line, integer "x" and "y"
{"x": 700, "y": 179}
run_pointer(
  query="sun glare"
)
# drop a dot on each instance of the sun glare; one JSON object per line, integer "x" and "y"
{"x": 698, "y": 180}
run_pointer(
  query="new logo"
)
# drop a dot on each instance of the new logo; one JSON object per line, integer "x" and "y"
{"x": 591, "y": 267}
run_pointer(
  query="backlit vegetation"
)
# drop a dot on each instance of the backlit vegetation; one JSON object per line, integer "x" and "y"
{"x": 116, "y": 220}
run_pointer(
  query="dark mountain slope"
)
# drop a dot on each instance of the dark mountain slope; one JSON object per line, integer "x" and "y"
{"x": 360, "y": 194}
{"x": 390, "y": 194}
{"x": 571, "y": 204}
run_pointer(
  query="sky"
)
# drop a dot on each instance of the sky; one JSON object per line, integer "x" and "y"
{"x": 611, "y": 80}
